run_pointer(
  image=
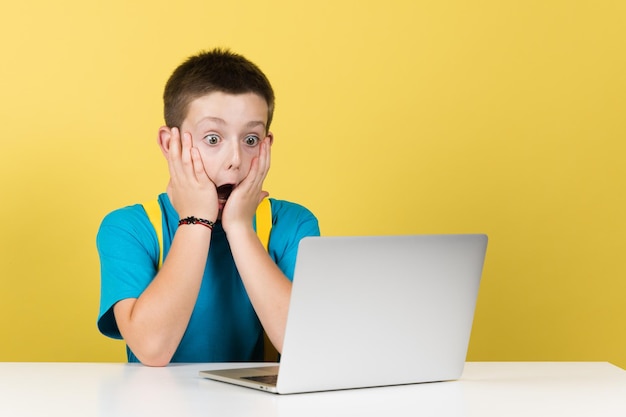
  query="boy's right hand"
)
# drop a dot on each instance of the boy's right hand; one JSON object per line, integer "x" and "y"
{"x": 190, "y": 189}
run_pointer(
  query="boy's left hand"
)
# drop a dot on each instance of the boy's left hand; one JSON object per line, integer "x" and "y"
{"x": 245, "y": 198}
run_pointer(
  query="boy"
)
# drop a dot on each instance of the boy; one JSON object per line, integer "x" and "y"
{"x": 217, "y": 288}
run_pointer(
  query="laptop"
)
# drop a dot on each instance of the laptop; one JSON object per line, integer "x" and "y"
{"x": 370, "y": 311}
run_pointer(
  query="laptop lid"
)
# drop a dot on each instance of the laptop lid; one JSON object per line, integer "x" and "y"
{"x": 378, "y": 310}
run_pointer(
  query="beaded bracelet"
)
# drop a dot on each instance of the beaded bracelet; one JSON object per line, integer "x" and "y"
{"x": 195, "y": 220}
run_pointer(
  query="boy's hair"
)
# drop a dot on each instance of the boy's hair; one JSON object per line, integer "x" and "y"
{"x": 210, "y": 71}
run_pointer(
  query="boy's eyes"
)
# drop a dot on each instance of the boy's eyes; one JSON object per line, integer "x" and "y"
{"x": 250, "y": 140}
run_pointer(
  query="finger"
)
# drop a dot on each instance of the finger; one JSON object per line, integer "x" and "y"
{"x": 186, "y": 146}
{"x": 261, "y": 165}
{"x": 198, "y": 165}
{"x": 183, "y": 164}
{"x": 174, "y": 149}
{"x": 266, "y": 155}
{"x": 253, "y": 181}
{"x": 174, "y": 152}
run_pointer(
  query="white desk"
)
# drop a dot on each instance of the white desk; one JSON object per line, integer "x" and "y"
{"x": 485, "y": 389}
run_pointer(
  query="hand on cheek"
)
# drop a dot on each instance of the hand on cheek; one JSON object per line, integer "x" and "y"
{"x": 190, "y": 189}
{"x": 243, "y": 201}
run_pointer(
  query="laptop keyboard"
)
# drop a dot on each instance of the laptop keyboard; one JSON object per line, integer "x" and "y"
{"x": 265, "y": 379}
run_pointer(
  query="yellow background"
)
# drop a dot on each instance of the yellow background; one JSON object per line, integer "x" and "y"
{"x": 393, "y": 117}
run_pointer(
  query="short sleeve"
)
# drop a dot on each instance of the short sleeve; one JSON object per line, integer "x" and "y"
{"x": 290, "y": 223}
{"x": 128, "y": 250}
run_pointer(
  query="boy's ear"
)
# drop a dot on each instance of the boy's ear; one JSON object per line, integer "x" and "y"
{"x": 164, "y": 139}
{"x": 271, "y": 136}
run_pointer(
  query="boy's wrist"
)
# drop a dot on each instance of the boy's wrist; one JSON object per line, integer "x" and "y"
{"x": 237, "y": 230}
{"x": 192, "y": 220}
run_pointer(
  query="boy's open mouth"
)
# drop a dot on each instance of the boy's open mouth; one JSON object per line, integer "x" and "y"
{"x": 223, "y": 192}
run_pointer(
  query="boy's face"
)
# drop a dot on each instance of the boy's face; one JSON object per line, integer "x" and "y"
{"x": 227, "y": 129}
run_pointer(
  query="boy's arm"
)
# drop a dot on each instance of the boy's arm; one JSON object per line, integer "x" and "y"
{"x": 153, "y": 324}
{"x": 268, "y": 288}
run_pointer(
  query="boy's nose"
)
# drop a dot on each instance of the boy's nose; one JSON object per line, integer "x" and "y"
{"x": 235, "y": 157}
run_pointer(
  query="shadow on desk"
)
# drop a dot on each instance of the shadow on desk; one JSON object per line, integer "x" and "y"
{"x": 430, "y": 399}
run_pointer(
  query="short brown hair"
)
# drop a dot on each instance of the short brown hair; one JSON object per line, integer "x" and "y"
{"x": 210, "y": 71}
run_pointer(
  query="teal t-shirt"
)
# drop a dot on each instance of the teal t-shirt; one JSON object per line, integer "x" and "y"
{"x": 223, "y": 326}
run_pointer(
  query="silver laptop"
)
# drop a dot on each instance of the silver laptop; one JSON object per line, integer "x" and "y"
{"x": 374, "y": 311}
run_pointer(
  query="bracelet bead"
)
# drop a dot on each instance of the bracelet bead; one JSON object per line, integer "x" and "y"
{"x": 195, "y": 220}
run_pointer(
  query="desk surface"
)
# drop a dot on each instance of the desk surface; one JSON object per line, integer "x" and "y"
{"x": 485, "y": 389}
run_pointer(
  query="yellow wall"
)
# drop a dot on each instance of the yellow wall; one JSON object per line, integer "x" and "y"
{"x": 503, "y": 117}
